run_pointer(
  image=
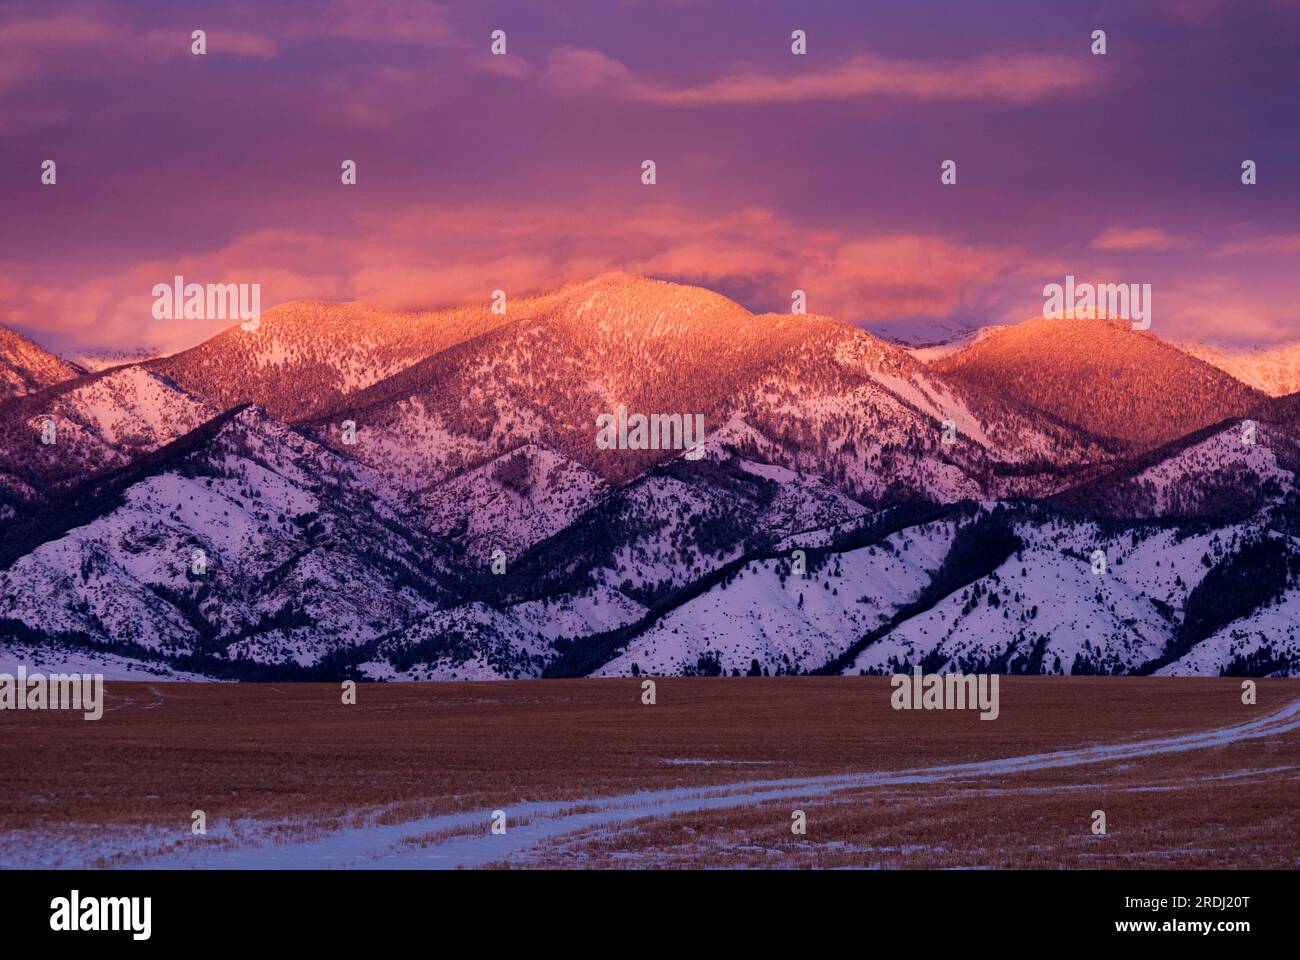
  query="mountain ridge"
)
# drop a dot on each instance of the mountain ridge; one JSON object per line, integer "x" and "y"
{"x": 472, "y": 527}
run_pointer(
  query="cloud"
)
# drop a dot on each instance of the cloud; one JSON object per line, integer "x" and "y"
{"x": 572, "y": 71}
{"x": 1016, "y": 79}
{"x": 115, "y": 311}
{"x": 434, "y": 256}
{"x": 1140, "y": 238}
{"x": 236, "y": 43}
{"x": 906, "y": 275}
{"x": 416, "y": 22}
{"x": 39, "y": 43}
{"x": 98, "y": 42}
{"x": 44, "y": 55}
{"x": 1286, "y": 243}
{"x": 426, "y": 256}
{"x": 1227, "y": 309}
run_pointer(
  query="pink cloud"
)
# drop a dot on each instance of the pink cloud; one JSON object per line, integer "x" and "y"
{"x": 1225, "y": 308}
{"x": 1019, "y": 79}
{"x": 115, "y": 311}
{"x": 1287, "y": 243}
{"x": 1140, "y": 238}
{"x": 436, "y": 257}
{"x": 42, "y": 41}
{"x": 88, "y": 42}
{"x": 237, "y": 43}
{"x": 901, "y": 275}
{"x": 93, "y": 41}
{"x": 574, "y": 71}
{"x": 417, "y": 22}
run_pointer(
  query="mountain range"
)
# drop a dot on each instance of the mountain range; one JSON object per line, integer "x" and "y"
{"x": 349, "y": 491}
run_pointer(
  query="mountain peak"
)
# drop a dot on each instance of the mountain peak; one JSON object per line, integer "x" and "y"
{"x": 1103, "y": 376}
{"x": 26, "y": 367}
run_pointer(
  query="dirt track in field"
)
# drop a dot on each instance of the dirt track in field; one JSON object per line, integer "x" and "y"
{"x": 708, "y": 776}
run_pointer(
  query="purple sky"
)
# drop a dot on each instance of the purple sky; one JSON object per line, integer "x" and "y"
{"x": 775, "y": 172}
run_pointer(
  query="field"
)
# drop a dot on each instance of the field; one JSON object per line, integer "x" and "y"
{"x": 585, "y": 774}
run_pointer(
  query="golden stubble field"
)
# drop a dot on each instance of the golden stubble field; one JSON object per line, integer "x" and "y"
{"x": 296, "y": 752}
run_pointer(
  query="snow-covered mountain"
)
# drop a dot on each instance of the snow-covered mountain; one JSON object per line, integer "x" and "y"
{"x": 421, "y": 496}
{"x": 55, "y": 438}
{"x": 103, "y": 359}
{"x": 1104, "y": 377}
{"x": 560, "y": 361}
{"x": 26, "y": 367}
{"x": 1228, "y": 470}
{"x": 304, "y": 357}
{"x": 1274, "y": 370}
{"x": 1072, "y": 596}
{"x": 808, "y": 393}
{"x": 243, "y": 541}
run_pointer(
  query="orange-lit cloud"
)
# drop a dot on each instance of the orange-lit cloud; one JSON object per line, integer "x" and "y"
{"x": 521, "y": 172}
{"x": 1139, "y": 238}
{"x": 1222, "y": 307}
{"x": 1017, "y": 79}
{"x": 431, "y": 257}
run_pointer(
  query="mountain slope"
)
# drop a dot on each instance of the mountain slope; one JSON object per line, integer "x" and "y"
{"x": 1104, "y": 377}
{"x": 1273, "y": 370}
{"x": 474, "y": 641}
{"x": 869, "y": 416}
{"x": 304, "y": 554}
{"x": 510, "y": 503}
{"x": 1212, "y": 473}
{"x": 26, "y": 367}
{"x": 99, "y": 422}
{"x": 1045, "y": 609}
{"x": 560, "y": 361}
{"x": 807, "y": 393}
{"x": 305, "y": 356}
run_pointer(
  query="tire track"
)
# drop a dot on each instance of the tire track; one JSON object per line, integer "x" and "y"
{"x": 463, "y": 839}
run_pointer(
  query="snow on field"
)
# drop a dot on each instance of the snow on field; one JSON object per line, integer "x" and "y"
{"x": 47, "y": 660}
